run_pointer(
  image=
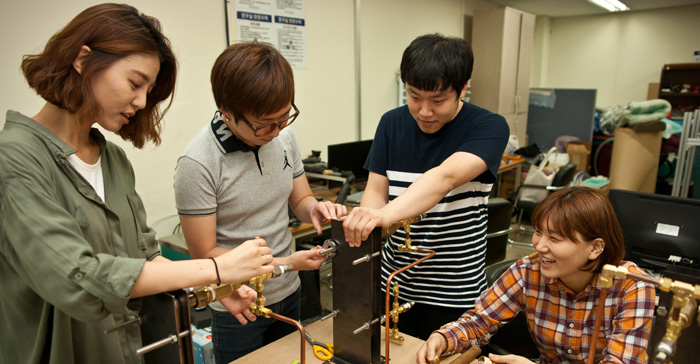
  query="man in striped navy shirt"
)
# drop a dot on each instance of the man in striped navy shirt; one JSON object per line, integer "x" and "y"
{"x": 439, "y": 155}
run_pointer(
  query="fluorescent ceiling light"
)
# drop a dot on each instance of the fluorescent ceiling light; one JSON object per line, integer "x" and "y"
{"x": 611, "y": 5}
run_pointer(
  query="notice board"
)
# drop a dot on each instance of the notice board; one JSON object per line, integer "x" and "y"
{"x": 555, "y": 112}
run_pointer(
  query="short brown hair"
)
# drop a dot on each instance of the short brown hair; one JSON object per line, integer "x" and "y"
{"x": 252, "y": 78}
{"x": 587, "y": 212}
{"x": 112, "y": 32}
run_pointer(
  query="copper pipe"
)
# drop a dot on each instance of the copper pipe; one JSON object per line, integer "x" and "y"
{"x": 644, "y": 278}
{"x": 467, "y": 356}
{"x": 596, "y": 328}
{"x": 387, "y": 324}
{"x": 299, "y": 327}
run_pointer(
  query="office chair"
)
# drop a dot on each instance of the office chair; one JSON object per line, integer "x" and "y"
{"x": 562, "y": 179}
{"x": 500, "y": 212}
{"x": 514, "y": 337}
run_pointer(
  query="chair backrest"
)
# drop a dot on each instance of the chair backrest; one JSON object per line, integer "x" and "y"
{"x": 494, "y": 271}
{"x": 500, "y": 212}
{"x": 564, "y": 175}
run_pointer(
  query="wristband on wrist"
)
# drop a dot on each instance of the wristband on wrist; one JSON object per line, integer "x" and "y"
{"x": 218, "y": 277}
{"x": 312, "y": 206}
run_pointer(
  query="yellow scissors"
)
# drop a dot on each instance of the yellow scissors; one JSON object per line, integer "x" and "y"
{"x": 321, "y": 350}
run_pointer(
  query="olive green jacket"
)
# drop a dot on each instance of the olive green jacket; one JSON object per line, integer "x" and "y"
{"x": 67, "y": 259}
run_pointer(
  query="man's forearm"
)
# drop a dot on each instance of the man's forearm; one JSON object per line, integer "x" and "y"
{"x": 419, "y": 197}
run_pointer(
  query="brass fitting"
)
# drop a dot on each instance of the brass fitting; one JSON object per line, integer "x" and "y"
{"x": 406, "y": 246}
{"x": 258, "y": 307}
{"x": 260, "y": 310}
{"x": 609, "y": 271}
{"x": 683, "y": 307}
{"x": 397, "y": 309}
{"x": 394, "y": 335}
{"x": 665, "y": 284}
{"x": 199, "y": 297}
{"x": 406, "y": 225}
{"x": 402, "y": 224}
{"x": 682, "y": 289}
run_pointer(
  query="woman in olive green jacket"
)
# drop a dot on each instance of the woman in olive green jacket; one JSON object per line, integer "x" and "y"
{"x": 74, "y": 244}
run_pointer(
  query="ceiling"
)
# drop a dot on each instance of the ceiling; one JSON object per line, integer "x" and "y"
{"x": 560, "y": 8}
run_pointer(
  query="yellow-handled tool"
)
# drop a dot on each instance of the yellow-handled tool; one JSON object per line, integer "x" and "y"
{"x": 321, "y": 350}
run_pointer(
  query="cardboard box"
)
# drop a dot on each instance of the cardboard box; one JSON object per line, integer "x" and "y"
{"x": 579, "y": 153}
{"x": 653, "y": 90}
{"x": 635, "y": 160}
{"x": 203, "y": 347}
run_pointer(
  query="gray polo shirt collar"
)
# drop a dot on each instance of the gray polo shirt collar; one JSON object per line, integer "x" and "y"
{"x": 226, "y": 140}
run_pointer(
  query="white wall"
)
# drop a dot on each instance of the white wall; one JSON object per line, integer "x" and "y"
{"x": 325, "y": 90}
{"x": 618, "y": 54}
{"x": 387, "y": 29}
{"x": 196, "y": 31}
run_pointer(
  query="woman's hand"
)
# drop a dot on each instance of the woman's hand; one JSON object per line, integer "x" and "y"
{"x": 248, "y": 260}
{"x": 324, "y": 211}
{"x": 509, "y": 359}
{"x": 307, "y": 259}
{"x": 238, "y": 302}
{"x": 432, "y": 348}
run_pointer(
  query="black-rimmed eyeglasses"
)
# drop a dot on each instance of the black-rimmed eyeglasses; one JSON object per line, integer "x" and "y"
{"x": 268, "y": 128}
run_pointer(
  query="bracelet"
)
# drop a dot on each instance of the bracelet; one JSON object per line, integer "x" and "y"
{"x": 218, "y": 277}
{"x": 312, "y": 206}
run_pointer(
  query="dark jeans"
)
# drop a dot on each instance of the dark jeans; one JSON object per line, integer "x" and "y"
{"x": 422, "y": 319}
{"x": 232, "y": 340}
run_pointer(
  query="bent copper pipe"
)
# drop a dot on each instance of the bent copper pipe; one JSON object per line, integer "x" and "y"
{"x": 299, "y": 327}
{"x": 387, "y": 324}
{"x": 596, "y": 327}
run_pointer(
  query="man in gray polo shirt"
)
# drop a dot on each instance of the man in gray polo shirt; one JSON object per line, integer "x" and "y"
{"x": 234, "y": 181}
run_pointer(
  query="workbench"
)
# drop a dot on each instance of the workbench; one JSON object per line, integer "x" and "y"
{"x": 286, "y": 349}
{"x": 508, "y": 164}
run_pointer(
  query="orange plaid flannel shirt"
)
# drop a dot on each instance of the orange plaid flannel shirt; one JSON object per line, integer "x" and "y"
{"x": 561, "y": 322}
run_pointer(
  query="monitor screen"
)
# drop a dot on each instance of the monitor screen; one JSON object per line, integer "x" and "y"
{"x": 659, "y": 230}
{"x": 350, "y": 157}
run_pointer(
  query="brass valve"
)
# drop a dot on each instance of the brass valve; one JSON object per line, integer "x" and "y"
{"x": 397, "y": 309}
{"x": 199, "y": 297}
{"x": 258, "y": 307}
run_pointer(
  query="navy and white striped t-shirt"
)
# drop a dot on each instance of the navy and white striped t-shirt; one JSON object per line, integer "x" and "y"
{"x": 456, "y": 227}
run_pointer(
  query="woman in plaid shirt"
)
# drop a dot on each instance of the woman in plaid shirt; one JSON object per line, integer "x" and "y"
{"x": 576, "y": 233}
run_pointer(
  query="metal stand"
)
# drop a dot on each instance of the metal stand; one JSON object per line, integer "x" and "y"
{"x": 164, "y": 320}
{"x": 690, "y": 138}
{"x": 162, "y": 326}
{"x": 357, "y": 299}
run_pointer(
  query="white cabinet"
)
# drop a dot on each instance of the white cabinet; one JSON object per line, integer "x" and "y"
{"x": 502, "y": 40}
